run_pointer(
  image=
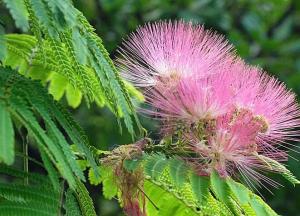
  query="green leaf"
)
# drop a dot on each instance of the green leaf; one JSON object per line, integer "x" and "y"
{"x": 73, "y": 95}
{"x": 260, "y": 207}
{"x": 38, "y": 102}
{"x": 66, "y": 11}
{"x": 219, "y": 187}
{"x": 30, "y": 209}
{"x": 40, "y": 58}
{"x": 24, "y": 193}
{"x": 134, "y": 92}
{"x": 178, "y": 171}
{"x": 33, "y": 178}
{"x": 249, "y": 202}
{"x": 41, "y": 14}
{"x": 239, "y": 191}
{"x": 132, "y": 165}
{"x": 7, "y": 152}
{"x": 2, "y": 43}
{"x": 26, "y": 117}
{"x": 84, "y": 200}
{"x": 110, "y": 189}
{"x": 155, "y": 165}
{"x": 57, "y": 85}
{"x": 18, "y": 12}
{"x": 93, "y": 179}
{"x": 80, "y": 47}
{"x": 35, "y": 198}
{"x": 52, "y": 172}
{"x": 165, "y": 202}
{"x": 71, "y": 205}
{"x": 280, "y": 168}
{"x": 83, "y": 164}
{"x": 200, "y": 187}
{"x": 28, "y": 101}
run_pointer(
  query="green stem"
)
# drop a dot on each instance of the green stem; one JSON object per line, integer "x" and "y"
{"x": 25, "y": 159}
{"x": 20, "y": 154}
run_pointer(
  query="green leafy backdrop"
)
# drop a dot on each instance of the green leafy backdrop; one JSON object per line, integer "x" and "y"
{"x": 265, "y": 33}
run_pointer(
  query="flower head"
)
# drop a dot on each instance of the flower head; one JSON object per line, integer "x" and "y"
{"x": 235, "y": 117}
{"x": 168, "y": 51}
{"x": 261, "y": 115}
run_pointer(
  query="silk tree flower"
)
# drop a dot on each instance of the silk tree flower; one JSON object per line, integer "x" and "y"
{"x": 167, "y": 51}
{"x": 262, "y": 118}
{"x": 232, "y": 146}
{"x": 237, "y": 118}
{"x": 234, "y": 117}
{"x": 195, "y": 99}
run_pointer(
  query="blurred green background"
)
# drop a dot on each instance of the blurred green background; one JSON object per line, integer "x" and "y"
{"x": 264, "y": 32}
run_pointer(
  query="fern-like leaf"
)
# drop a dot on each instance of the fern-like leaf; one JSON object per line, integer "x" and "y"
{"x": 78, "y": 54}
{"x": 281, "y": 169}
{"x": 18, "y": 12}
{"x": 28, "y": 100}
{"x": 200, "y": 187}
{"x": 202, "y": 195}
{"x": 71, "y": 205}
{"x": 7, "y": 153}
{"x": 2, "y": 43}
{"x": 38, "y": 197}
{"x": 84, "y": 200}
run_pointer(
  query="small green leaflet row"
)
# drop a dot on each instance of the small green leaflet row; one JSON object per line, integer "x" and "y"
{"x": 174, "y": 188}
{"x": 26, "y": 103}
{"x": 38, "y": 197}
{"x": 65, "y": 43}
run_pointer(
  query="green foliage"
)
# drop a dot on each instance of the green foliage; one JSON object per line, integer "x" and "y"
{"x": 25, "y": 100}
{"x": 175, "y": 188}
{"x": 24, "y": 55}
{"x": 66, "y": 44}
{"x": 71, "y": 206}
{"x": 35, "y": 198}
{"x": 95, "y": 179}
{"x": 19, "y": 13}
{"x": 2, "y": 43}
{"x": 219, "y": 187}
{"x": 178, "y": 172}
{"x": 108, "y": 180}
{"x": 7, "y": 153}
{"x": 84, "y": 200}
{"x": 265, "y": 40}
{"x": 248, "y": 201}
{"x": 38, "y": 197}
{"x": 52, "y": 172}
{"x": 110, "y": 189}
{"x": 200, "y": 187}
{"x": 155, "y": 165}
{"x": 281, "y": 169}
{"x": 166, "y": 203}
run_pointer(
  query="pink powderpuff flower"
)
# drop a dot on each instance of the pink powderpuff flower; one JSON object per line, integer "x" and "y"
{"x": 233, "y": 116}
{"x": 194, "y": 99}
{"x": 167, "y": 51}
{"x": 264, "y": 115}
{"x": 269, "y": 100}
{"x": 233, "y": 148}
{"x": 238, "y": 117}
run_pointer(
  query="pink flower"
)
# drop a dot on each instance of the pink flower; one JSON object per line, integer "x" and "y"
{"x": 195, "y": 99}
{"x": 262, "y": 116}
{"x": 234, "y": 116}
{"x": 167, "y": 51}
